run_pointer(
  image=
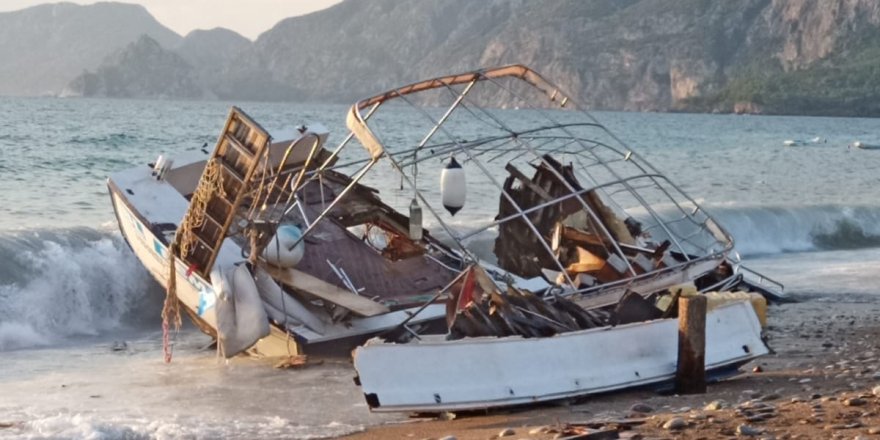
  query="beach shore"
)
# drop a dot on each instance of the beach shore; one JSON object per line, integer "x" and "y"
{"x": 818, "y": 383}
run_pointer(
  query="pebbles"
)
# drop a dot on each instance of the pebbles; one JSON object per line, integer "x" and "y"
{"x": 641, "y": 408}
{"x": 806, "y": 392}
{"x": 716, "y": 405}
{"x": 770, "y": 397}
{"x": 539, "y": 430}
{"x": 748, "y": 431}
{"x": 841, "y": 426}
{"x": 751, "y": 394}
{"x": 675, "y": 424}
{"x": 855, "y": 401}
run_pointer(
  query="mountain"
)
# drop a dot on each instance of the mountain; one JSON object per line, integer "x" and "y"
{"x": 213, "y": 53}
{"x": 45, "y": 46}
{"x": 142, "y": 69}
{"x": 758, "y": 56}
{"x": 212, "y": 48}
{"x": 789, "y": 56}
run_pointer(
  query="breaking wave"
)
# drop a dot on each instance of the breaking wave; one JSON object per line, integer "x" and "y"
{"x": 56, "y": 284}
{"x": 764, "y": 231}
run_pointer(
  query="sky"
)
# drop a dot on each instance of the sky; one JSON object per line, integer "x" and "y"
{"x": 247, "y": 17}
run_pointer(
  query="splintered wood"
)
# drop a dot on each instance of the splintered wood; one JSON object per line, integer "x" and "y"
{"x": 479, "y": 308}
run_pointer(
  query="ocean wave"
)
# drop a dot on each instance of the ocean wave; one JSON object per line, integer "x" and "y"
{"x": 756, "y": 230}
{"x": 776, "y": 230}
{"x": 56, "y": 284}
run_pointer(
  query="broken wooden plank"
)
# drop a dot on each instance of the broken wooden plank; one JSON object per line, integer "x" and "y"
{"x": 528, "y": 182}
{"x": 328, "y": 292}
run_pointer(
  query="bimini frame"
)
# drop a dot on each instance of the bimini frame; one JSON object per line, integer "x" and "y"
{"x": 601, "y": 162}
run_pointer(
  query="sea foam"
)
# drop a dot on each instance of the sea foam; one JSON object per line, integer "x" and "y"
{"x": 60, "y": 283}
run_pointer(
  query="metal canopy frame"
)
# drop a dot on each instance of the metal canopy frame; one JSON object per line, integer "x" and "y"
{"x": 600, "y": 161}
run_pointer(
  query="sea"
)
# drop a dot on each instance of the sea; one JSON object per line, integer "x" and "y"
{"x": 80, "y": 327}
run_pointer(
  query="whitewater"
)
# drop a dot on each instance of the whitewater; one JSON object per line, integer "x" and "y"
{"x": 80, "y": 333}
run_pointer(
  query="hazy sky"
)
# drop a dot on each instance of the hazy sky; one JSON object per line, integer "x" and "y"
{"x": 247, "y": 17}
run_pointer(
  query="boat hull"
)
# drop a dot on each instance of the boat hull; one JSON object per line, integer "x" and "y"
{"x": 478, "y": 373}
{"x": 197, "y": 296}
{"x": 195, "y": 293}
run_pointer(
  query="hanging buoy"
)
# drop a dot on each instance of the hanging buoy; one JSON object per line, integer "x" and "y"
{"x": 453, "y": 187}
{"x": 284, "y": 251}
{"x": 415, "y": 220}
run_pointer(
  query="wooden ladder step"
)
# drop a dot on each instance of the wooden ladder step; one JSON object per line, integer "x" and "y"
{"x": 238, "y": 146}
{"x": 213, "y": 220}
{"x": 211, "y": 247}
{"x": 232, "y": 171}
{"x": 240, "y": 155}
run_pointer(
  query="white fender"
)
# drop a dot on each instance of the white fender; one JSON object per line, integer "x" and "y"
{"x": 453, "y": 186}
{"x": 241, "y": 318}
{"x": 284, "y": 251}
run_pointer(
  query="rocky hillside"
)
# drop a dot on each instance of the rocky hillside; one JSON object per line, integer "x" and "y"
{"x": 141, "y": 69}
{"x": 649, "y": 55}
{"x": 45, "y": 46}
{"x": 771, "y": 56}
{"x": 211, "y": 54}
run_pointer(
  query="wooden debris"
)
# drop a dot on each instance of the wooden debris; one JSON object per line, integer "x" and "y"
{"x": 517, "y": 247}
{"x": 479, "y": 308}
{"x": 577, "y": 240}
{"x": 298, "y": 361}
{"x": 315, "y": 286}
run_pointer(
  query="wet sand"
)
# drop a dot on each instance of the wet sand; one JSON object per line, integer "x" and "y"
{"x": 817, "y": 384}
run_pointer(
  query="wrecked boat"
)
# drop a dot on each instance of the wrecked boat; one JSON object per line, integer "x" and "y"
{"x": 584, "y": 229}
{"x": 280, "y": 245}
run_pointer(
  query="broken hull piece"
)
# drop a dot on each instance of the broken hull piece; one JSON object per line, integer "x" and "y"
{"x": 477, "y": 373}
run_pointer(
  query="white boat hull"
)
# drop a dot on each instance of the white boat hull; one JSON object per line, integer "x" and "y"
{"x": 477, "y": 373}
{"x": 198, "y": 296}
{"x": 194, "y": 292}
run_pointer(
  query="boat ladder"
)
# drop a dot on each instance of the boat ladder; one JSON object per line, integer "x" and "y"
{"x": 223, "y": 196}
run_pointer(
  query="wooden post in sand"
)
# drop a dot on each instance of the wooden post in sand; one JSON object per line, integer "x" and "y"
{"x": 690, "y": 377}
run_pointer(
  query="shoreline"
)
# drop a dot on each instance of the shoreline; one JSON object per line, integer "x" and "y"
{"x": 816, "y": 383}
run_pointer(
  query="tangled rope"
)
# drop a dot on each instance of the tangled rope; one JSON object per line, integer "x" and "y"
{"x": 211, "y": 182}
{"x": 171, "y": 308}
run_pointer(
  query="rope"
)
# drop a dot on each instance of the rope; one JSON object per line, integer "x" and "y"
{"x": 171, "y": 308}
{"x": 211, "y": 182}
